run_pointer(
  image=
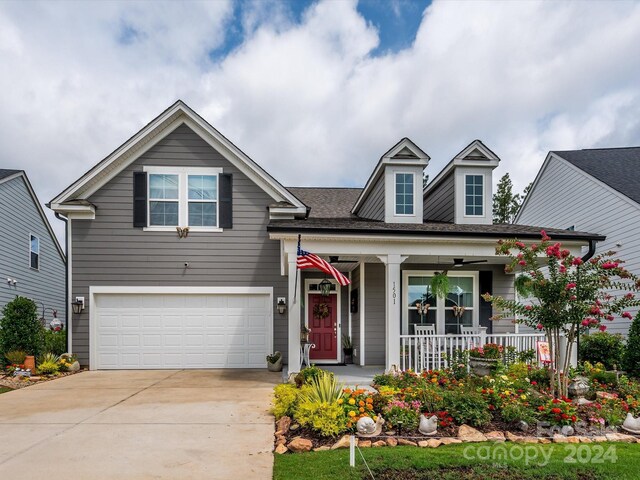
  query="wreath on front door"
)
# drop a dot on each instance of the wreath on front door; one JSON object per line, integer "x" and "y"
{"x": 320, "y": 311}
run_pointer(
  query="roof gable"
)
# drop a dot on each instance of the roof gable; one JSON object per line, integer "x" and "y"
{"x": 20, "y": 175}
{"x": 179, "y": 113}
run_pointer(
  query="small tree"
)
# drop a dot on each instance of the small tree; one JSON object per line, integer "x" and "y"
{"x": 505, "y": 202}
{"x": 20, "y": 328}
{"x": 568, "y": 295}
{"x": 631, "y": 359}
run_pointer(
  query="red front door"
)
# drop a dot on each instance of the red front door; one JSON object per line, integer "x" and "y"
{"x": 323, "y": 318}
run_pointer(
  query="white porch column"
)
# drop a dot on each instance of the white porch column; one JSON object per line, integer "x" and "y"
{"x": 294, "y": 317}
{"x": 393, "y": 305}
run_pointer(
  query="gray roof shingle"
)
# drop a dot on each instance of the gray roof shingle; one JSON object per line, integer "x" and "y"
{"x": 4, "y": 173}
{"x": 327, "y": 202}
{"x": 617, "y": 167}
{"x": 362, "y": 226}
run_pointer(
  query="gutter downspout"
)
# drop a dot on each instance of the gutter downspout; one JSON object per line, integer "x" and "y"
{"x": 66, "y": 276}
{"x": 586, "y": 257}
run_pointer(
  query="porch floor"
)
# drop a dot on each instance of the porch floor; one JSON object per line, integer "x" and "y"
{"x": 350, "y": 375}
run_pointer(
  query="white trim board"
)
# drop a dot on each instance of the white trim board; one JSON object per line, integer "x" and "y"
{"x": 153, "y": 290}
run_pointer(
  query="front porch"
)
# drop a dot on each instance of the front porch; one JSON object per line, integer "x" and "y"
{"x": 382, "y": 311}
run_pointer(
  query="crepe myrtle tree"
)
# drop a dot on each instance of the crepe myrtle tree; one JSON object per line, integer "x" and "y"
{"x": 565, "y": 295}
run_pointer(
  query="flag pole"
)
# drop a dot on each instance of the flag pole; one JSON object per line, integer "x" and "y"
{"x": 295, "y": 284}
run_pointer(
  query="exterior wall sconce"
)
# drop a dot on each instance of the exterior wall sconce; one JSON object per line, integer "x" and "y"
{"x": 282, "y": 305}
{"x": 325, "y": 287}
{"x": 78, "y": 305}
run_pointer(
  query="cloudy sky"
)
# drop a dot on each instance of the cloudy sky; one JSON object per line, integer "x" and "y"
{"x": 318, "y": 86}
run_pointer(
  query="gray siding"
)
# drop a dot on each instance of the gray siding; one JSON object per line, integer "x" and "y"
{"x": 439, "y": 205}
{"x": 355, "y": 317}
{"x": 565, "y": 197}
{"x": 373, "y": 207}
{"x": 20, "y": 217}
{"x": 110, "y": 251}
{"x": 374, "y": 322}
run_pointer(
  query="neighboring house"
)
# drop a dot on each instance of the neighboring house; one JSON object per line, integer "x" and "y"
{"x": 594, "y": 190}
{"x": 158, "y": 296}
{"x": 32, "y": 263}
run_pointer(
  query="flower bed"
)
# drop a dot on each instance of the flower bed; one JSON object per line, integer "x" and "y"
{"x": 515, "y": 402}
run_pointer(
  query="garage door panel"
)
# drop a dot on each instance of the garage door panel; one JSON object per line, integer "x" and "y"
{"x": 181, "y": 331}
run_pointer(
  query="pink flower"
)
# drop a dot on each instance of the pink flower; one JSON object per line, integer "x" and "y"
{"x": 539, "y": 326}
{"x": 610, "y": 317}
{"x": 629, "y": 296}
{"x": 571, "y": 285}
{"x": 520, "y": 245}
{"x": 563, "y": 269}
{"x": 626, "y": 315}
{"x": 585, "y": 322}
{"x": 545, "y": 237}
{"x": 577, "y": 261}
{"x": 602, "y": 328}
{"x": 528, "y": 307}
{"x": 565, "y": 253}
{"x": 573, "y": 297}
{"x": 595, "y": 310}
{"x": 522, "y": 263}
{"x": 609, "y": 265}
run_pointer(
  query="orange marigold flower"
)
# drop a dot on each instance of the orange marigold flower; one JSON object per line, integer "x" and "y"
{"x": 361, "y": 403}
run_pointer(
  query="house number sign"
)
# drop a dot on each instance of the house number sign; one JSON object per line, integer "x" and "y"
{"x": 394, "y": 295}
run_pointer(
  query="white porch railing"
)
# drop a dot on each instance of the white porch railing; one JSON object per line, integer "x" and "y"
{"x": 432, "y": 352}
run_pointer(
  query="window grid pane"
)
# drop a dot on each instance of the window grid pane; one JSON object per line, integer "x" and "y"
{"x": 203, "y": 187}
{"x": 163, "y": 213}
{"x": 404, "y": 194}
{"x": 34, "y": 252}
{"x": 202, "y": 214}
{"x": 474, "y": 198}
{"x": 163, "y": 187}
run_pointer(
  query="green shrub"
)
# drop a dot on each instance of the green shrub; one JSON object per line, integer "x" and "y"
{"x": 540, "y": 376}
{"x": 327, "y": 419}
{"x": 631, "y": 358}
{"x": 467, "y": 407}
{"x": 48, "y": 364}
{"x": 602, "y": 347}
{"x": 322, "y": 388}
{"x": 401, "y": 414}
{"x": 15, "y": 357}
{"x": 605, "y": 378}
{"x": 514, "y": 411}
{"x": 285, "y": 400}
{"x": 55, "y": 342}
{"x": 307, "y": 374}
{"x": 20, "y": 328}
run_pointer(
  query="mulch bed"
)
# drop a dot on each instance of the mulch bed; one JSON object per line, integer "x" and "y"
{"x": 15, "y": 383}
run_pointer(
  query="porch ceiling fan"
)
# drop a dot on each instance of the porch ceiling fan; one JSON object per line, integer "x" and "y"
{"x": 459, "y": 262}
{"x": 336, "y": 259}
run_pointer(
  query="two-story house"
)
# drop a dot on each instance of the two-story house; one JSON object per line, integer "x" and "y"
{"x": 595, "y": 190}
{"x": 183, "y": 253}
{"x": 32, "y": 263}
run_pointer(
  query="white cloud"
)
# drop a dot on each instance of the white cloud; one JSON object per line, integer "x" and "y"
{"x": 525, "y": 77}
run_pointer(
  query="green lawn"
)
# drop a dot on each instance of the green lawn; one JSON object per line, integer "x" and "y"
{"x": 4, "y": 389}
{"x": 469, "y": 462}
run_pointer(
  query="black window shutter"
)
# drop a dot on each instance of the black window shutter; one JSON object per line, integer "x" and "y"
{"x": 485, "y": 281}
{"x": 140, "y": 199}
{"x": 225, "y": 200}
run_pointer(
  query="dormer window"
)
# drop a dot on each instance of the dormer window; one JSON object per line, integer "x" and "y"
{"x": 474, "y": 195}
{"x": 404, "y": 194}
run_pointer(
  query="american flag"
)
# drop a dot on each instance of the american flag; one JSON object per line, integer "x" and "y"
{"x": 310, "y": 260}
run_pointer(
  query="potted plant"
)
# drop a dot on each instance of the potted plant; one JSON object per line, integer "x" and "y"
{"x": 440, "y": 285}
{"x": 347, "y": 349}
{"x": 483, "y": 360}
{"x": 274, "y": 362}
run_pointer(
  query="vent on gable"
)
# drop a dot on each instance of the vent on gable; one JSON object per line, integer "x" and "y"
{"x": 475, "y": 155}
{"x": 405, "y": 153}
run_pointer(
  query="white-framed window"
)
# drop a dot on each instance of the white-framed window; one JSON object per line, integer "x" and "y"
{"x": 404, "y": 193}
{"x": 447, "y": 316}
{"x": 34, "y": 252}
{"x": 474, "y": 195}
{"x": 182, "y": 197}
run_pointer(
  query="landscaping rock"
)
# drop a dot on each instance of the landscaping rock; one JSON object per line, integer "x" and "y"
{"x": 323, "y": 448}
{"x": 620, "y": 437}
{"x": 599, "y": 438}
{"x": 495, "y": 436}
{"x": 408, "y": 443}
{"x": 379, "y": 443}
{"x": 392, "y": 441}
{"x": 281, "y": 440}
{"x": 470, "y": 434}
{"x": 299, "y": 444}
{"x": 280, "y": 449}
{"x": 544, "y": 440}
{"x": 523, "y": 426}
{"x": 512, "y": 437}
{"x": 294, "y": 427}
{"x": 431, "y": 443}
{"x": 528, "y": 439}
{"x": 450, "y": 441}
{"x": 390, "y": 432}
{"x": 282, "y": 426}
{"x": 557, "y": 438}
{"x": 344, "y": 442}
{"x": 606, "y": 395}
{"x": 364, "y": 443}
{"x": 567, "y": 430}
{"x": 583, "y": 439}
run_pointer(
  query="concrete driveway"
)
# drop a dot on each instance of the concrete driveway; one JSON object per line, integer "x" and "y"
{"x": 179, "y": 424}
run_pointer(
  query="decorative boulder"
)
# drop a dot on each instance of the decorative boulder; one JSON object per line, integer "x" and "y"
{"x": 299, "y": 444}
{"x": 470, "y": 434}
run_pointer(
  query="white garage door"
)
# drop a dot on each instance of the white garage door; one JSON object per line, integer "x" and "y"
{"x": 136, "y": 330}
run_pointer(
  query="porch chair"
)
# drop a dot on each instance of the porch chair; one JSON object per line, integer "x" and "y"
{"x": 430, "y": 355}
